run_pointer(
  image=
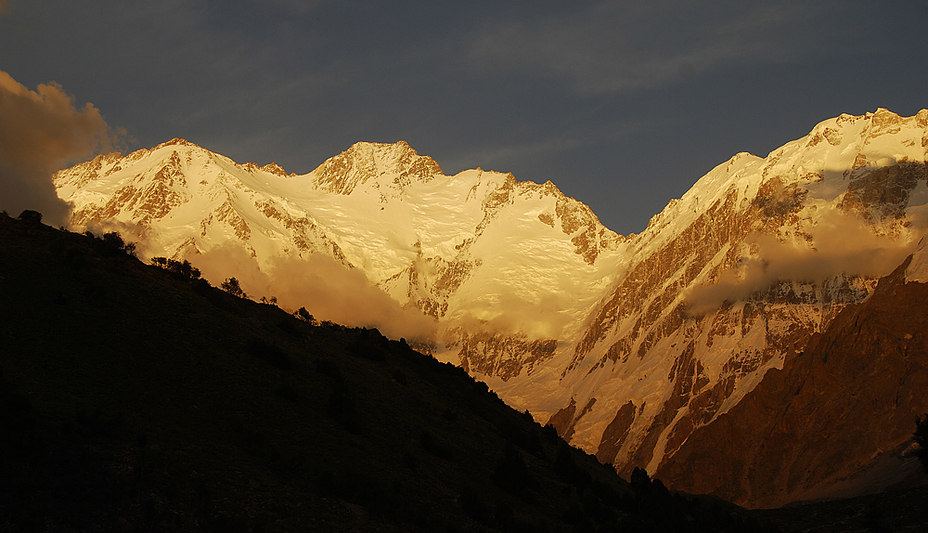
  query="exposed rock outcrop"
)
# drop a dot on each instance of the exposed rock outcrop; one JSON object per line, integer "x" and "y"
{"x": 814, "y": 429}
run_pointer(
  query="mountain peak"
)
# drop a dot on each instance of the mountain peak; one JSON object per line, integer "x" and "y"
{"x": 392, "y": 164}
{"x": 176, "y": 141}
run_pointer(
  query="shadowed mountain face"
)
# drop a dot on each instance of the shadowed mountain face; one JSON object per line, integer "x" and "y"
{"x": 836, "y": 421}
{"x": 139, "y": 398}
{"x": 628, "y": 345}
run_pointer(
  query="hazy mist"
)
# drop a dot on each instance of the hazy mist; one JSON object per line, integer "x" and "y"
{"x": 327, "y": 289}
{"x": 840, "y": 244}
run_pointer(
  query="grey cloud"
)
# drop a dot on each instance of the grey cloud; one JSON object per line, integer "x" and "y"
{"x": 494, "y": 158}
{"x": 41, "y": 131}
{"x": 616, "y": 46}
{"x": 300, "y": 7}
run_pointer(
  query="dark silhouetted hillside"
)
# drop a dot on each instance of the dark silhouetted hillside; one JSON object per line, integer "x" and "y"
{"x": 135, "y": 398}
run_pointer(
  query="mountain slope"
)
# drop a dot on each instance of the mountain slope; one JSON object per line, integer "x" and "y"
{"x": 628, "y": 345}
{"x": 737, "y": 275}
{"x": 136, "y": 399}
{"x": 475, "y": 248}
{"x": 850, "y": 397}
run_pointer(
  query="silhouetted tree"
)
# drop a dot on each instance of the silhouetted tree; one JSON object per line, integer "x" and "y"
{"x": 304, "y": 315}
{"x": 232, "y": 287}
{"x": 112, "y": 242}
{"x": 182, "y": 269}
{"x": 30, "y": 216}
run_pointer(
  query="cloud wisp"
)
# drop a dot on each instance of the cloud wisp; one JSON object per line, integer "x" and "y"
{"x": 41, "y": 131}
{"x": 841, "y": 244}
{"x": 324, "y": 287}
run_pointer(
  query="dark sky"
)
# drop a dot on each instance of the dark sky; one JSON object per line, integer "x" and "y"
{"x": 622, "y": 105}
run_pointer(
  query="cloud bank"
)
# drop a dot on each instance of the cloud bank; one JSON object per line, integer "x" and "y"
{"x": 324, "y": 287}
{"x": 41, "y": 131}
{"x": 841, "y": 244}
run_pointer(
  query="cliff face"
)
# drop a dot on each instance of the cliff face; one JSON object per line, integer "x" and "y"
{"x": 848, "y": 401}
{"x": 735, "y": 278}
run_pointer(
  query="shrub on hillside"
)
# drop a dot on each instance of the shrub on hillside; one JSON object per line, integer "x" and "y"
{"x": 328, "y": 368}
{"x": 182, "y": 269}
{"x": 367, "y": 350}
{"x": 30, "y": 216}
{"x": 232, "y": 286}
{"x": 342, "y": 408}
{"x": 111, "y": 244}
{"x": 567, "y": 470}
{"x": 474, "y": 506}
{"x": 287, "y": 392}
{"x": 432, "y": 445}
{"x": 287, "y": 325}
{"x": 640, "y": 480}
{"x": 304, "y": 315}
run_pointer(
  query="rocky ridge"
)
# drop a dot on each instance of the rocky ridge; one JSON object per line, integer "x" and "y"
{"x": 770, "y": 252}
{"x": 850, "y": 397}
{"x": 734, "y": 278}
{"x": 471, "y": 251}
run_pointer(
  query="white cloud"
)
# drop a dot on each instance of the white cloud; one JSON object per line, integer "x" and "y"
{"x": 324, "y": 287}
{"x": 840, "y": 244}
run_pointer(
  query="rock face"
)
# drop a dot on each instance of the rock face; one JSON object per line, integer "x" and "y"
{"x": 502, "y": 268}
{"x": 634, "y": 348}
{"x": 812, "y": 429}
{"x": 733, "y": 279}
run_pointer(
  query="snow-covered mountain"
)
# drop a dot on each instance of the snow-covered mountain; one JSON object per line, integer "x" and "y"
{"x": 737, "y": 274}
{"x": 494, "y": 261}
{"x": 626, "y": 344}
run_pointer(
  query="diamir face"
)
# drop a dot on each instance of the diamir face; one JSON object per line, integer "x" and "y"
{"x": 628, "y": 345}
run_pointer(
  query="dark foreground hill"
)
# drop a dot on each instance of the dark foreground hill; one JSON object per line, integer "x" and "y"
{"x": 137, "y": 399}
